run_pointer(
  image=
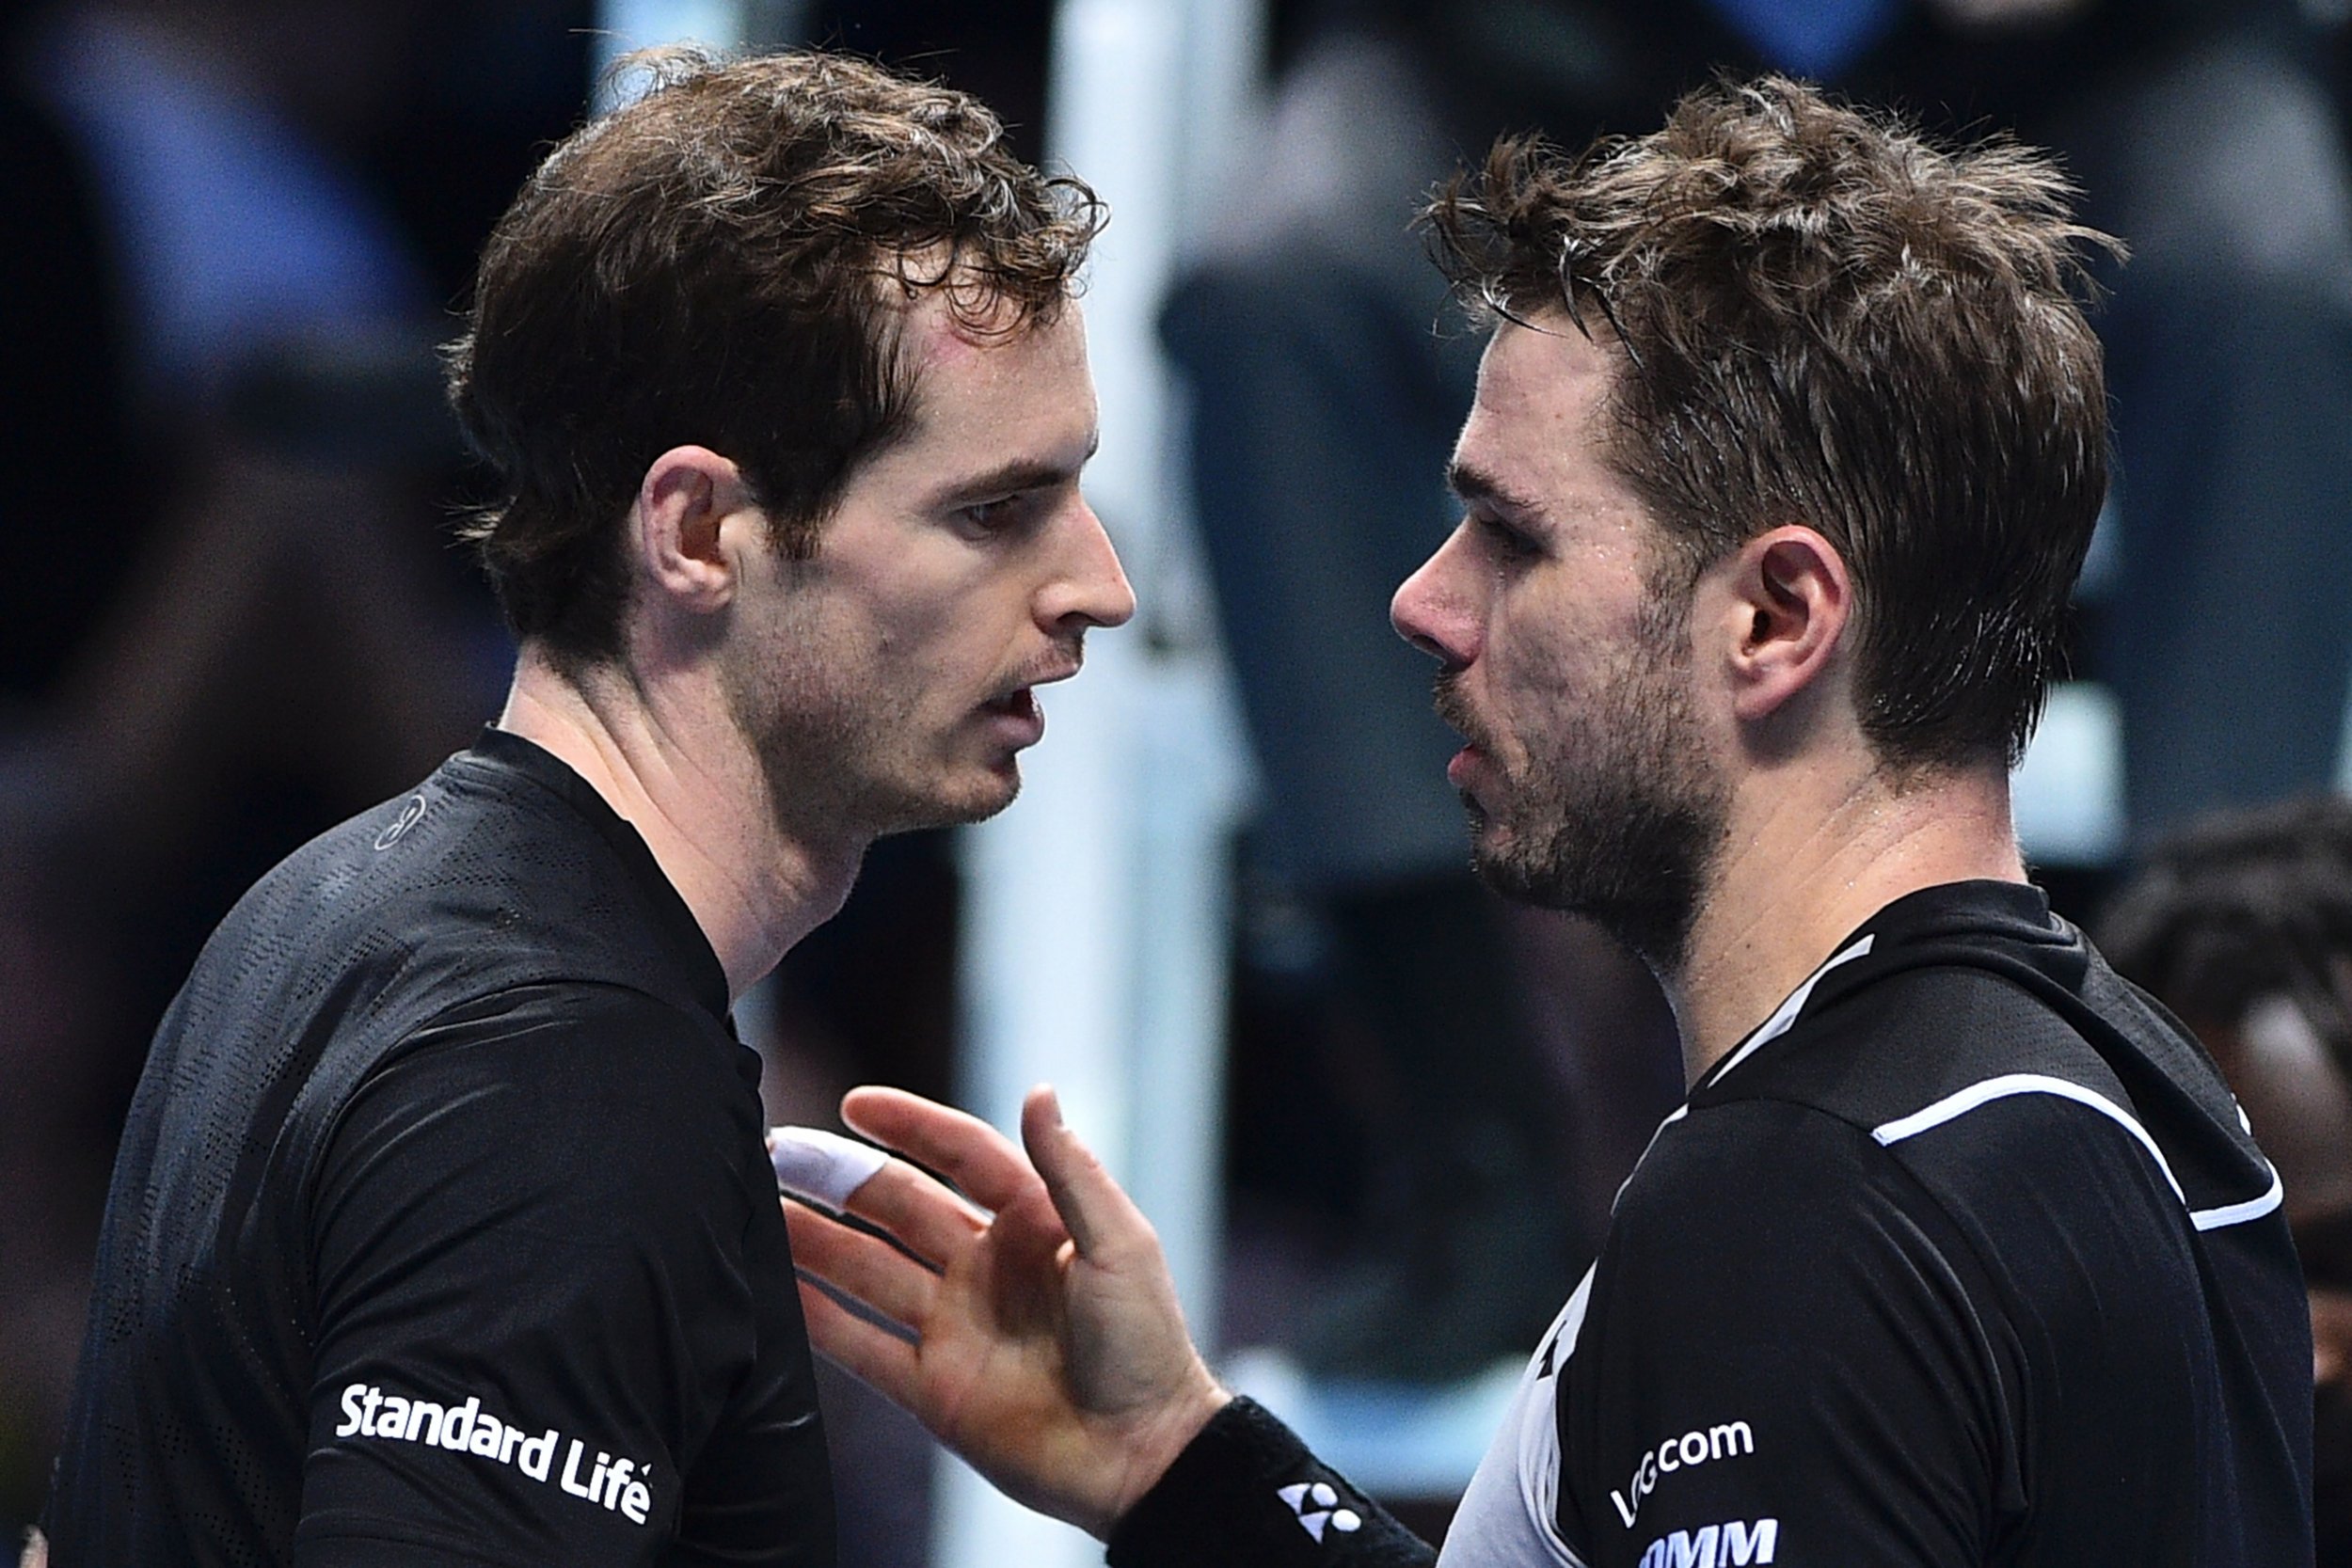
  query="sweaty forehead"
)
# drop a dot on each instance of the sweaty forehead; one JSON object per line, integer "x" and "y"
{"x": 943, "y": 347}
{"x": 963, "y": 314}
{"x": 929, "y": 336}
{"x": 982, "y": 400}
{"x": 1544, "y": 370}
{"x": 1539, "y": 388}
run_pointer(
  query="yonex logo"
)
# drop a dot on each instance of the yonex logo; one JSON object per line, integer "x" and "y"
{"x": 410, "y": 811}
{"x": 1317, "y": 1506}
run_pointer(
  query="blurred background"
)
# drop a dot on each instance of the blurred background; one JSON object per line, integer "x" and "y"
{"x": 1377, "y": 1114}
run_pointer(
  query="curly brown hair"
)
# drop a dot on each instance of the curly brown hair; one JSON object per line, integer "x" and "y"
{"x": 726, "y": 260}
{"x": 1824, "y": 318}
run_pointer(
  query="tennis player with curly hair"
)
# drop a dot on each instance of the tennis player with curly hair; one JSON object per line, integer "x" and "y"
{"x": 443, "y": 1229}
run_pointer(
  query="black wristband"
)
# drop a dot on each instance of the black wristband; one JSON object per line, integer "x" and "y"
{"x": 1245, "y": 1491}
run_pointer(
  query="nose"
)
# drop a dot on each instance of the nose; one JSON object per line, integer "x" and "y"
{"x": 1432, "y": 610}
{"x": 1090, "y": 587}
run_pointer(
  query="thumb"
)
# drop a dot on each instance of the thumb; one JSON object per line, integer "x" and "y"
{"x": 1097, "y": 1212}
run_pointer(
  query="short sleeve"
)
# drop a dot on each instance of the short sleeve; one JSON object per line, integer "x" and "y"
{"x": 1788, "y": 1357}
{"x": 533, "y": 1295}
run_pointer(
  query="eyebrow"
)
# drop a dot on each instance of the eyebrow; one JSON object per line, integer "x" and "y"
{"x": 1474, "y": 484}
{"x": 1021, "y": 473}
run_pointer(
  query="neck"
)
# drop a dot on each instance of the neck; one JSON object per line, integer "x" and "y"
{"x": 668, "y": 759}
{"x": 1801, "y": 868}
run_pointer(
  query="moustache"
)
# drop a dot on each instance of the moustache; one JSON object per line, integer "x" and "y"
{"x": 1453, "y": 709}
{"x": 1060, "y": 665}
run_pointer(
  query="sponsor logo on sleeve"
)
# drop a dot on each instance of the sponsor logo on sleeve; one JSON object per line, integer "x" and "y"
{"x": 620, "y": 1486}
{"x": 1697, "y": 1446}
{"x": 1316, "y": 1505}
{"x": 1735, "y": 1543}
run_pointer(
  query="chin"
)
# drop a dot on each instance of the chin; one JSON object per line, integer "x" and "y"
{"x": 984, "y": 803}
{"x": 962, "y": 803}
{"x": 1515, "y": 880}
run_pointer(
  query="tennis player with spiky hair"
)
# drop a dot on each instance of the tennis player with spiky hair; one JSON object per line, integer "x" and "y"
{"x": 1784, "y": 456}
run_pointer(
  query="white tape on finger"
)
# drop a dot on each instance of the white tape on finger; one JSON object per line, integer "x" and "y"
{"x": 812, "y": 1162}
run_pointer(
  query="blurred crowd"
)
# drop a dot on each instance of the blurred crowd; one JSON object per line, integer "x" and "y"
{"x": 2210, "y": 137}
{"x": 232, "y": 613}
{"x": 228, "y": 616}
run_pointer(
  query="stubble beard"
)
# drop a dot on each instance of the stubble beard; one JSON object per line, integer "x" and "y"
{"x": 1618, "y": 815}
{"x": 838, "y": 765}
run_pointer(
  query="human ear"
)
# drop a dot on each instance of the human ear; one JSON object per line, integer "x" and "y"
{"x": 677, "y": 526}
{"x": 1792, "y": 597}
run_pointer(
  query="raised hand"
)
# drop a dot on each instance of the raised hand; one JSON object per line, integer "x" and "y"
{"x": 1042, "y": 1341}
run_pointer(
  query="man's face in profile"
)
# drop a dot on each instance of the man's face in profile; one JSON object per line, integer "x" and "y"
{"x": 889, "y": 682}
{"x": 1586, "y": 776}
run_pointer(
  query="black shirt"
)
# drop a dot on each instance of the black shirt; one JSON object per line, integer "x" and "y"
{"x": 443, "y": 1229}
{"x": 1963, "y": 1257}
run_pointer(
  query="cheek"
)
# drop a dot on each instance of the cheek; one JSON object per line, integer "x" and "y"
{"x": 941, "y": 652}
{"x": 1531, "y": 671}
{"x": 823, "y": 658}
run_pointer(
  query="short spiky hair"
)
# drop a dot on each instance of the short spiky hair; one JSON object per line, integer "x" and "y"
{"x": 725, "y": 261}
{"x": 1824, "y": 318}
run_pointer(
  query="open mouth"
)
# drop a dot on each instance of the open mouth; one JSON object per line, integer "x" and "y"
{"x": 1017, "y": 705}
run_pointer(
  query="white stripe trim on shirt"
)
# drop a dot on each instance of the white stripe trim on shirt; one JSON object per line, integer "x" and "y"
{"x": 1672, "y": 1116}
{"x": 1785, "y": 1016}
{"x": 1953, "y": 1106}
{"x": 2239, "y": 1213}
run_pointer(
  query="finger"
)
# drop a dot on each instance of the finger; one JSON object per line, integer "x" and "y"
{"x": 960, "y": 1147}
{"x": 871, "y": 1353}
{"x": 860, "y": 1266}
{"x": 926, "y": 1218}
{"x": 824, "y": 1167}
{"x": 967, "y": 1151}
{"x": 1100, "y": 1217}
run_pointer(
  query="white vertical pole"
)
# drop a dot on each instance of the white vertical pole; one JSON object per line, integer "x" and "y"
{"x": 1094, "y": 931}
{"x": 1096, "y": 908}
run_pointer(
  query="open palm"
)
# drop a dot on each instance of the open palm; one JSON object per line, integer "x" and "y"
{"x": 1029, "y": 1321}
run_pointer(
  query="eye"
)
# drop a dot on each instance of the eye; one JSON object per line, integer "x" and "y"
{"x": 1508, "y": 541}
{"x": 993, "y": 516}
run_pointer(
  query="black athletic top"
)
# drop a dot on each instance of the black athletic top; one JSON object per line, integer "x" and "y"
{"x": 1964, "y": 1257}
{"x": 442, "y": 1231}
